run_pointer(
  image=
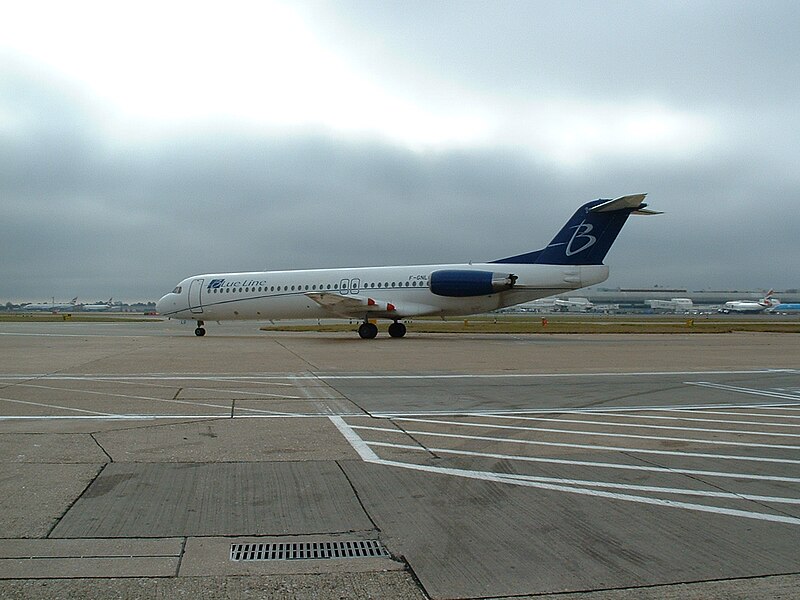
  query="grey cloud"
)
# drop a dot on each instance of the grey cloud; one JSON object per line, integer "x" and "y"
{"x": 83, "y": 213}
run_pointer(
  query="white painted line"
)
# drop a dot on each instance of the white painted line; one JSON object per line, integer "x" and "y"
{"x": 93, "y": 412}
{"x": 364, "y": 451}
{"x": 600, "y": 465}
{"x": 642, "y": 426}
{"x": 693, "y": 419}
{"x": 602, "y": 434}
{"x": 351, "y": 436}
{"x": 355, "y": 376}
{"x": 587, "y": 446}
{"x": 742, "y": 390}
{"x": 126, "y": 396}
{"x": 698, "y": 408}
{"x": 769, "y": 407}
{"x": 603, "y": 484}
{"x": 144, "y": 417}
{"x": 200, "y": 389}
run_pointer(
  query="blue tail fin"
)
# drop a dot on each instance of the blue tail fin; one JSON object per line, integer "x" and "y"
{"x": 587, "y": 236}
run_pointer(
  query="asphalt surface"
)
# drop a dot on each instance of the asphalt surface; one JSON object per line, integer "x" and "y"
{"x": 134, "y": 455}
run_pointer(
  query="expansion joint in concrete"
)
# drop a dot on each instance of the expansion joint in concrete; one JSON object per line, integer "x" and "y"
{"x": 78, "y": 497}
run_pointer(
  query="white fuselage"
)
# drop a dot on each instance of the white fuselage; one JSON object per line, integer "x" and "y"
{"x": 283, "y": 294}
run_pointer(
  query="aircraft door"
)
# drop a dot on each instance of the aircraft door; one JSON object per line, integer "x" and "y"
{"x": 195, "y": 304}
{"x": 344, "y": 286}
{"x": 355, "y": 284}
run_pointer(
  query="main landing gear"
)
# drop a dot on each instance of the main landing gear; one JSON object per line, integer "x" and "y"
{"x": 368, "y": 330}
{"x": 397, "y": 329}
{"x": 200, "y": 331}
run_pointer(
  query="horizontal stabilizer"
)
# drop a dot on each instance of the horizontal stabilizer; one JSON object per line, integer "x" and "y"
{"x": 624, "y": 202}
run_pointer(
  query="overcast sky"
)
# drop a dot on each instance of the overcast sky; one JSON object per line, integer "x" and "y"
{"x": 144, "y": 142}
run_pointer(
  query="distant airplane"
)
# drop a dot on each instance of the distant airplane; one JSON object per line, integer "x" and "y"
{"x": 573, "y": 304}
{"x": 51, "y": 305}
{"x": 97, "y": 307}
{"x": 785, "y": 308}
{"x": 574, "y": 259}
{"x": 750, "y": 306}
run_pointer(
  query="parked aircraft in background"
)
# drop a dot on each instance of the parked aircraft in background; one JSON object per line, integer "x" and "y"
{"x": 573, "y": 305}
{"x": 97, "y": 307}
{"x": 672, "y": 305}
{"x": 750, "y": 306}
{"x": 52, "y": 306}
{"x": 574, "y": 259}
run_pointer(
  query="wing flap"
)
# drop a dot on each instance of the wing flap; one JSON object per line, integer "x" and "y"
{"x": 353, "y": 306}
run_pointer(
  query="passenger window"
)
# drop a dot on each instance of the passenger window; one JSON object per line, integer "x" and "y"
{"x": 379, "y": 285}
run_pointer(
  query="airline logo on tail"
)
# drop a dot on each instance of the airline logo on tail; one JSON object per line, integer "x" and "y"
{"x": 581, "y": 232}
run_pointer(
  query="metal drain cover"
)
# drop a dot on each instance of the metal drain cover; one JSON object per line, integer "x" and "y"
{"x": 308, "y": 550}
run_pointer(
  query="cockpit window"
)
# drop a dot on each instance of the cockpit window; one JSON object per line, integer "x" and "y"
{"x": 177, "y": 290}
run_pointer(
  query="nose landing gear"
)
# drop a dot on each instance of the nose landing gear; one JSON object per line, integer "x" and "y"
{"x": 200, "y": 331}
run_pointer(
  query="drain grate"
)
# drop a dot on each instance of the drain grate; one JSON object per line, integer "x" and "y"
{"x": 308, "y": 550}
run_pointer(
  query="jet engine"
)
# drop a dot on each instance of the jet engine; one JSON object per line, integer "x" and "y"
{"x": 461, "y": 283}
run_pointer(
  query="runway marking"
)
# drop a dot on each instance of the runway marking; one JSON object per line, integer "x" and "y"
{"x": 600, "y": 465}
{"x": 641, "y": 426}
{"x": 202, "y": 389}
{"x": 368, "y": 455}
{"x": 602, "y": 434}
{"x": 586, "y": 446}
{"x": 149, "y": 417}
{"x": 607, "y": 484}
{"x": 15, "y": 401}
{"x": 743, "y": 390}
{"x": 692, "y": 419}
{"x": 150, "y": 398}
{"x": 424, "y": 376}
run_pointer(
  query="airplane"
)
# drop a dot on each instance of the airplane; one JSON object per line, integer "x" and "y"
{"x": 750, "y": 306}
{"x": 573, "y": 305}
{"x": 572, "y": 260}
{"x": 785, "y": 308}
{"x": 97, "y": 307}
{"x": 53, "y": 306}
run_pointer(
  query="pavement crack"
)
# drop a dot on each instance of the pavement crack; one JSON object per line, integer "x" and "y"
{"x": 358, "y": 496}
{"x": 710, "y": 484}
{"x": 415, "y": 440}
{"x": 99, "y": 445}
{"x": 296, "y": 355}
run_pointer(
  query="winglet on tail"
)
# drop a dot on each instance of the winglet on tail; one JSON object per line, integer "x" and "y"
{"x": 588, "y": 235}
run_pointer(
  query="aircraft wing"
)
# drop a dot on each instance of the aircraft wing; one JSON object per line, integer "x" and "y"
{"x": 360, "y": 306}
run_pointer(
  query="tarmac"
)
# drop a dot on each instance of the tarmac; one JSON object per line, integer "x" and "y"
{"x": 135, "y": 458}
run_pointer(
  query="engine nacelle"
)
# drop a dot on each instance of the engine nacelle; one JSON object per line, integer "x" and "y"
{"x": 461, "y": 283}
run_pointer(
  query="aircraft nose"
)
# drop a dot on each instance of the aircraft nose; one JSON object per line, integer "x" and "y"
{"x": 162, "y": 304}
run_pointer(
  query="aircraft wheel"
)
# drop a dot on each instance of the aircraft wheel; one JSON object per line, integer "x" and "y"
{"x": 397, "y": 330}
{"x": 367, "y": 331}
{"x": 199, "y": 332}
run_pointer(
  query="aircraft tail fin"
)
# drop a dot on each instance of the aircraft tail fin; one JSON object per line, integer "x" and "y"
{"x": 588, "y": 235}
